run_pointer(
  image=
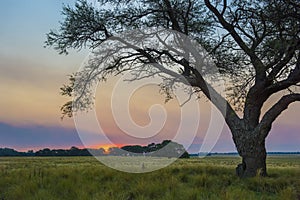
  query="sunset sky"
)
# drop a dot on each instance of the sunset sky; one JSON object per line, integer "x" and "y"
{"x": 31, "y": 75}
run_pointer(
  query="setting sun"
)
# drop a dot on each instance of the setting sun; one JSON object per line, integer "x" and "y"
{"x": 107, "y": 146}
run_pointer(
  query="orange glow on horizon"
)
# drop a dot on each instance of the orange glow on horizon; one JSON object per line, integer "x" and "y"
{"x": 107, "y": 146}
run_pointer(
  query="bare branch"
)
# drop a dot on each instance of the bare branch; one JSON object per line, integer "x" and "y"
{"x": 292, "y": 79}
{"x": 275, "y": 111}
{"x": 289, "y": 54}
{"x": 220, "y": 43}
{"x": 224, "y": 7}
{"x": 257, "y": 63}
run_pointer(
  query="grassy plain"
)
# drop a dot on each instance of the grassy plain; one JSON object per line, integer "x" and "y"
{"x": 83, "y": 178}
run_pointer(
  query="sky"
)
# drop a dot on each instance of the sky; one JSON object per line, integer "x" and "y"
{"x": 31, "y": 75}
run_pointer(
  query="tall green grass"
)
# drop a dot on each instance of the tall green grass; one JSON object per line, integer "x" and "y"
{"x": 85, "y": 178}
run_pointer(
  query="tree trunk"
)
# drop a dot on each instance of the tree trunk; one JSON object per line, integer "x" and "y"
{"x": 253, "y": 153}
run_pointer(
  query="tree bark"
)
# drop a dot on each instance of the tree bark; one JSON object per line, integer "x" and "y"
{"x": 253, "y": 152}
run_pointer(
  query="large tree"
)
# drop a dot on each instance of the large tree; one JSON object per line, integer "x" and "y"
{"x": 255, "y": 45}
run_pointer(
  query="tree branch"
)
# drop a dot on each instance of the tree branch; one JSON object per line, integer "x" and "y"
{"x": 257, "y": 63}
{"x": 230, "y": 116}
{"x": 197, "y": 81}
{"x": 281, "y": 62}
{"x": 224, "y": 7}
{"x": 175, "y": 24}
{"x": 292, "y": 79}
{"x": 275, "y": 111}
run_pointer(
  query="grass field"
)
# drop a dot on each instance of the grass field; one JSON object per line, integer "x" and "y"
{"x": 85, "y": 178}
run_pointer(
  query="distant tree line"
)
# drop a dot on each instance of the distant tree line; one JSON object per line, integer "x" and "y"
{"x": 165, "y": 149}
{"x": 11, "y": 152}
{"x": 73, "y": 151}
{"x": 236, "y": 153}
